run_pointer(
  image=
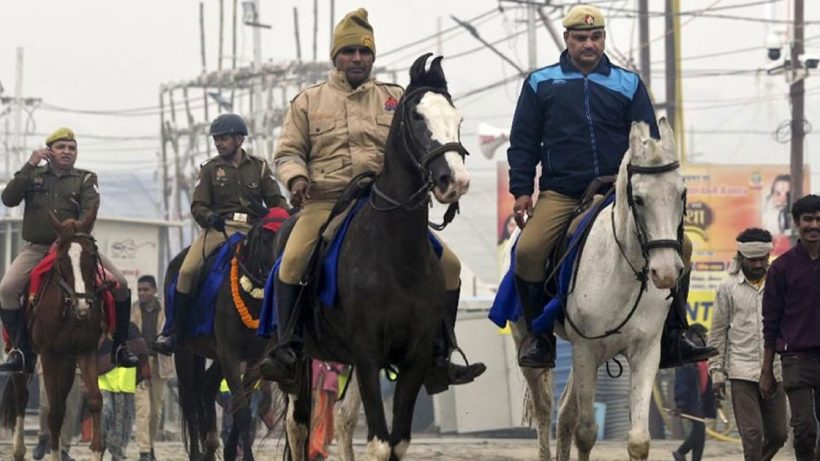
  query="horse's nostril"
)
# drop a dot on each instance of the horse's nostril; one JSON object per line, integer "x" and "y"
{"x": 444, "y": 181}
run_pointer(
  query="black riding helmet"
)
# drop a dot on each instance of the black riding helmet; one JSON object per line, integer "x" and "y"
{"x": 228, "y": 124}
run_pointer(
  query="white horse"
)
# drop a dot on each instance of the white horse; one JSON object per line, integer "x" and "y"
{"x": 636, "y": 236}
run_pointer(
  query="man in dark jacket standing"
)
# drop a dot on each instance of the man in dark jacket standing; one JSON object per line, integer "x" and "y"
{"x": 573, "y": 118}
{"x": 791, "y": 322}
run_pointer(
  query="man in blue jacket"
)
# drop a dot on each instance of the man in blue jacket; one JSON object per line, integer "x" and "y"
{"x": 573, "y": 118}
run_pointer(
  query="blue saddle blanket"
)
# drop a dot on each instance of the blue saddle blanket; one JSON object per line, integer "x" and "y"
{"x": 507, "y": 305}
{"x": 200, "y": 320}
{"x": 328, "y": 281}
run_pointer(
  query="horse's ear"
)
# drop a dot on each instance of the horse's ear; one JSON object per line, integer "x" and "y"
{"x": 417, "y": 69}
{"x": 87, "y": 223}
{"x": 637, "y": 134}
{"x": 436, "y": 74}
{"x": 667, "y": 136}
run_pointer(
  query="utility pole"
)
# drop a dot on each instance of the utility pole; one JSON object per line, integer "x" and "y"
{"x": 17, "y": 148}
{"x": 532, "y": 44}
{"x": 674, "y": 113}
{"x": 797, "y": 92}
{"x": 643, "y": 37}
{"x": 257, "y": 87}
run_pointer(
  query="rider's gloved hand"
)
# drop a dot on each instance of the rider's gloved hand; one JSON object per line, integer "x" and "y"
{"x": 217, "y": 222}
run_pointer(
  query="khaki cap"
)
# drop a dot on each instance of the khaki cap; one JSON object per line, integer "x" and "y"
{"x": 353, "y": 30}
{"x": 61, "y": 133}
{"x": 583, "y": 17}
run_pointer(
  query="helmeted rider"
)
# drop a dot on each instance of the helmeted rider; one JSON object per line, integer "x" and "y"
{"x": 228, "y": 198}
{"x": 333, "y": 132}
{"x": 573, "y": 118}
{"x": 69, "y": 193}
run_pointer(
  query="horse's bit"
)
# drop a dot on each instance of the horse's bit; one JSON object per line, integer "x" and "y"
{"x": 420, "y": 198}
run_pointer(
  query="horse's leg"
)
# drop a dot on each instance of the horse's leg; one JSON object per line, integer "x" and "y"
{"x": 585, "y": 382}
{"x": 88, "y": 369}
{"x": 404, "y": 402}
{"x": 346, "y": 415}
{"x": 58, "y": 376}
{"x": 378, "y": 448}
{"x": 567, "y": 419}
{"x": 210, "y": 388}
{"x": 298, "y": 422}
{"x": 17, "y": 389}
{"x": 538, "y": 402}
{"x": 239, "y": 406}
{"x": 643, "y": 366}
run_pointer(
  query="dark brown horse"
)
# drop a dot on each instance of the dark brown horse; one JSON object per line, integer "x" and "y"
{"x": 232, "y": 343}
{"x": 66, "y": 322}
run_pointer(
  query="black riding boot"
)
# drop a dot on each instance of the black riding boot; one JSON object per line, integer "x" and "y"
{"x": 282, "y": 363}
{"x": 166, "y": 342}
{"x": 120, "y": 355}
{"x": 537, "y": 350}
{"x": 446, "y": 373}
{"x": 676, "y": 349}
{"x": 20, "y": 359}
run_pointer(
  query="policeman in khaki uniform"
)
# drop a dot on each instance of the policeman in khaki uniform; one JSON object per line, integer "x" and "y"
{"x": 333, "y": 132}
{"x": 67, "y": 192}
{"x": 227, "y": 198}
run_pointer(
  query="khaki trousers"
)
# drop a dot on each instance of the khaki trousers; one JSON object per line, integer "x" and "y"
{"x": 150, "y": 397}
{"x": 544, "y": 228}
{"x": 306, "y": 232}
{"x": 203, "y": 246}
{"x": 548, "y": 222}
{"x": 17, "y": 276}
{"x": 73, "y": 404}
{"x": 762, "y": 423}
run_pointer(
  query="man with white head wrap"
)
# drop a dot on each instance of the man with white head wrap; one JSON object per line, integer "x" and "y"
{"x": 737, "y": 333}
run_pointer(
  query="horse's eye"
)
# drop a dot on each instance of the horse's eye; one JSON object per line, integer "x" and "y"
{"x": 639, "y": 201}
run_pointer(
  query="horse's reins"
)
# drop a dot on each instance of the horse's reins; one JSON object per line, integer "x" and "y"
{"x": 411, "y": 143}
{"x": 646, "y": 245}
{"x": 72, "y": 296}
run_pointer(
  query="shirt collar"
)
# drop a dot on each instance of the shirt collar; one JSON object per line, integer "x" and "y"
{"x": 604, "y": 67}
{"x": 221, "y": 160}
{"x": 741, "y": 280}
{"x": 151, "y": 305}
{"x": 338, "y": 80}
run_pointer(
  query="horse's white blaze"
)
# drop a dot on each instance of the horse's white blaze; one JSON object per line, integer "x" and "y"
{"x": 443, "y": 121}
{"x": 377, "y": 450}
{"x": 74, "y": 253}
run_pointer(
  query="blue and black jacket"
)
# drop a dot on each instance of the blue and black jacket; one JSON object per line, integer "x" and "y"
{"x": 577, "y": 126}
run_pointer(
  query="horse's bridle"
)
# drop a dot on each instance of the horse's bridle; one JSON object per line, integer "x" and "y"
{"x": 411, "y": 143}
{"x": 71, "y": 296}
{"x": 647, "y": 245}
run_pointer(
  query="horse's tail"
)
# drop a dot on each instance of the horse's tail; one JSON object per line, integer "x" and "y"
{"x": 190, "y": 377}
{"x": 14, "y": 400}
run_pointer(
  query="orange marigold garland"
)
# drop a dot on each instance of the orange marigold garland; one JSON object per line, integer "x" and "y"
{"x": 241, "y": 307}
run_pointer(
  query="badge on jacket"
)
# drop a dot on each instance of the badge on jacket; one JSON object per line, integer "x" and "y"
{"x": 391, "y": 103}
{"x": 220, "y": 174}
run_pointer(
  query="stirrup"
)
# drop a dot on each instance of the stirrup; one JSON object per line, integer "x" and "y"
{"x": 24, "y": 367}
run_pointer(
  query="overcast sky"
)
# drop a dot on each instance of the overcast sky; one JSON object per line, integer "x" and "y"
{"x": 113, "y": 55}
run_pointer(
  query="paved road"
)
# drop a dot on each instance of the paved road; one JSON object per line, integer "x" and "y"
{"x": 466, "y": 449}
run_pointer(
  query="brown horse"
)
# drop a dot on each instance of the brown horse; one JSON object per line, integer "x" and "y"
{"x": 66, "y": 323}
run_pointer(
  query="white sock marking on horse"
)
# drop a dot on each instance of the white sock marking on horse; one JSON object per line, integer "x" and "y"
{"x": 19, "y": 444}
{"x": 401, "y": 448}
{"x": 297, "y": 433}
{"x": 96, "y": 456}
{"x": 56, "y": 455}
{"x": 74, "y": 253}
{"x": 377, "y": 450}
